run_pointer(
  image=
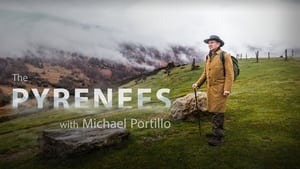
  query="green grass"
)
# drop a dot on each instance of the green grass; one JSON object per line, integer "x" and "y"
{"x": 262, "y": 126}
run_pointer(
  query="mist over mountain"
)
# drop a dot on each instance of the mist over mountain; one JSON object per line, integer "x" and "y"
{"x": 97, "y": 28}
{"x": 48, "y": 67}
{"x": 151, "y": 57}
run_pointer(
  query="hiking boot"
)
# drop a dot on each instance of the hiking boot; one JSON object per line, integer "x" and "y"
{"x": 215, "y": 134}
{"x": 215, "y": 141}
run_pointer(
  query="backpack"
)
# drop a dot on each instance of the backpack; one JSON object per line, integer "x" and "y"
{"x": 235, "y": 64}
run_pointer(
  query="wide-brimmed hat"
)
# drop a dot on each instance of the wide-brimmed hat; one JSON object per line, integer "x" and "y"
{"x": 215, "y": 37}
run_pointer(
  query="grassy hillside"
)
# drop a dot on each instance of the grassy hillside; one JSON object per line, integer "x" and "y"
{"x": 262, "y": 126}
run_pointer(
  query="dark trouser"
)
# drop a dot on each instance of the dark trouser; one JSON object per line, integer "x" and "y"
{"x": 216, "y": 136}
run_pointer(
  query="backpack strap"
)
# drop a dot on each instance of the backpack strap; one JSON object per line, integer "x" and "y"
{"x": 223, "y": 61}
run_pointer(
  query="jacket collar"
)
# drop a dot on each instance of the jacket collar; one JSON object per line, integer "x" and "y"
{"x": 218, "y": 52}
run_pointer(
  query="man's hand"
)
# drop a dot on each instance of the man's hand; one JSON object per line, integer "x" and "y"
{"x": 226, "y": 93}
{"x": 194, "y": 86}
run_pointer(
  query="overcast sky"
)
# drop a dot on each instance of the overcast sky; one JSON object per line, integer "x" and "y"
{"x": 96, "y": 27}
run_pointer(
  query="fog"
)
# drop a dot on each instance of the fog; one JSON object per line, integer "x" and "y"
{"x": 96, "y": 28}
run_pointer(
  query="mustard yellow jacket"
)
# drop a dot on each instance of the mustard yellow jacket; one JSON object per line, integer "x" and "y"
{"x": 216, "y": 82}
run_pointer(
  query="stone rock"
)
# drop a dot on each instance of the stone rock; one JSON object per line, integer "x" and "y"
{"x": 65, "y": 142}
{"x": 183, "y": 108}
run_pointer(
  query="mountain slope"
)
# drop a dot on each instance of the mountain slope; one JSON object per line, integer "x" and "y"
{"x": 261, "y": 126}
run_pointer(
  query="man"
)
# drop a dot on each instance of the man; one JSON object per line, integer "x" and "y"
{"x": 218, "y": 86}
